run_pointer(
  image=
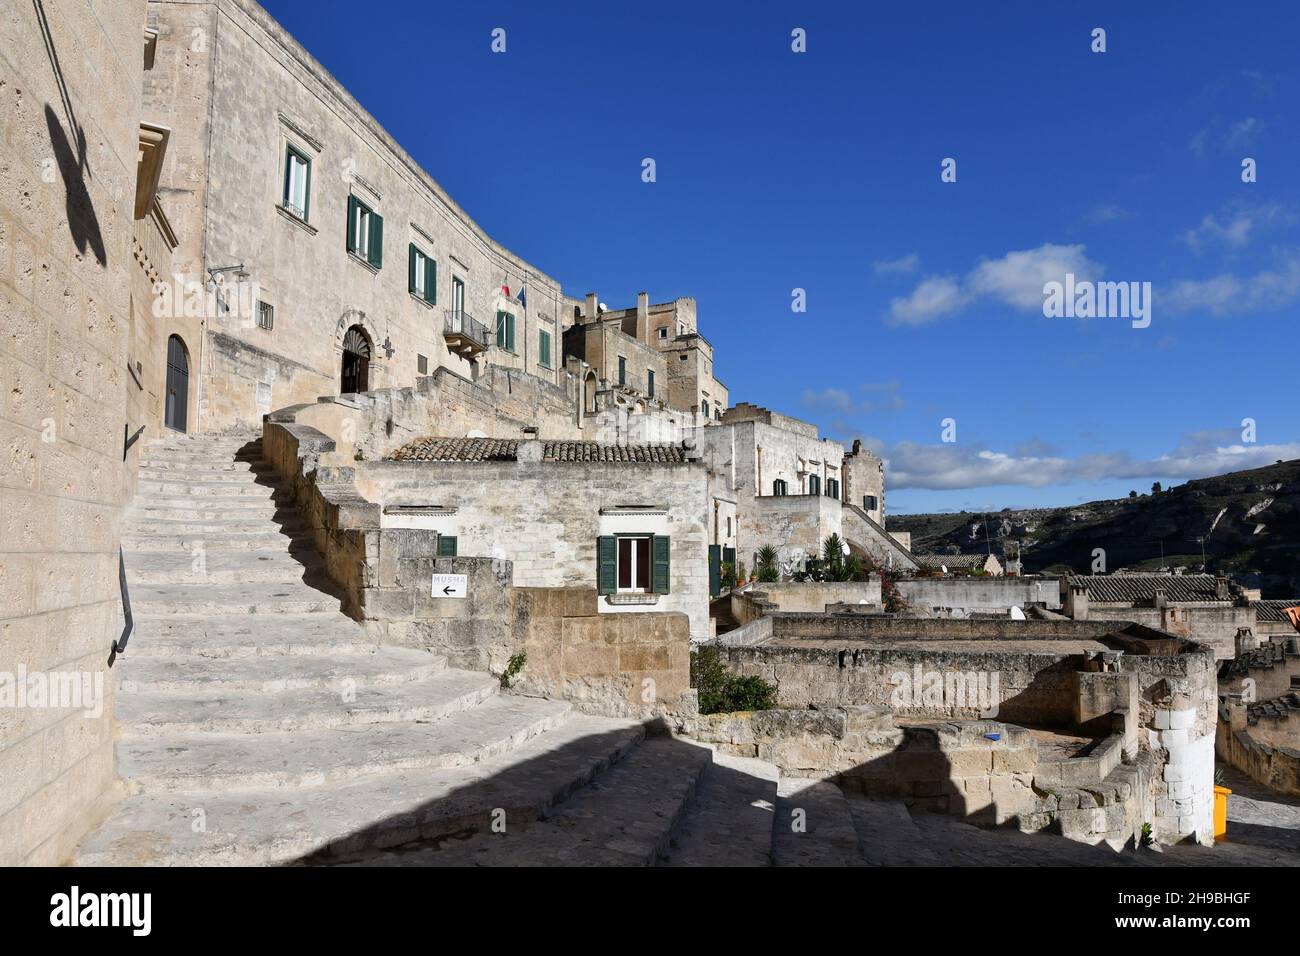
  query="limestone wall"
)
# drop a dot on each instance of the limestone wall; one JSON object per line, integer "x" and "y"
{"x": 1275, "y": 763}
{"x": 1214, "y": 625}
{"x": 813, "y": 596}
{"x": 545, "y": 518}
{"x": 983, "y": 594}
{"x": 70, "y": 79}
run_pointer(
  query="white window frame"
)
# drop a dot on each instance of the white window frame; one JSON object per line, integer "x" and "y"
{"x": 296, "y": 200}
{"x": 420, "y": 260}
{"x": 361, "y": 232}
{"x": 618, "y": 563}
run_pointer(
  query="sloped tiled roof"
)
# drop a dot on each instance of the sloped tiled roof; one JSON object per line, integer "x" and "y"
{"x": 933, "y": 562}
{"x": 1141, "y": 588}
{"x": 1279, "y": 708}
{"x": 506, "y": 449}
{"x": 1271, "y": 611}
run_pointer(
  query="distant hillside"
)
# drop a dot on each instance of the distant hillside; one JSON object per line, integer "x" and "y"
{"x": 1250, "y": 521}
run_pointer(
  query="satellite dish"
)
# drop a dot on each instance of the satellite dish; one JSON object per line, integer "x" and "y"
{"x": 1017, "y": 614}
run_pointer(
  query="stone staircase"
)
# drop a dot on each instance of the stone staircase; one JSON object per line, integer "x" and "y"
{"x": 259, "y": 725}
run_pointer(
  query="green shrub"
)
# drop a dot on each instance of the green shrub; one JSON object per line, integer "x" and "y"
{"x": 513, "y": 667}
{"x": 722, "y": 692}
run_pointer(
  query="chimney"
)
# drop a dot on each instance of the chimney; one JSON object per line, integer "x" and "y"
{"x": 1221, "y": 588}
{"x": 593, "y": 303}
{"x": 643, "y": 317}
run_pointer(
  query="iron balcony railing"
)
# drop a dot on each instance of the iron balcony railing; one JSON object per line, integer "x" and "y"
{"x": 462, "y": 323}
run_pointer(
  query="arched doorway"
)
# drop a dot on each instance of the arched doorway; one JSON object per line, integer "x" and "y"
{"x": 176, "y": 400}
{"x": 589, "y": 393}
{"x": 356, "y": 361}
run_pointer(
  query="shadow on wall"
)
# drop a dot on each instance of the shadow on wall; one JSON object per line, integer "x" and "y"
{"x": 70, "y": 154}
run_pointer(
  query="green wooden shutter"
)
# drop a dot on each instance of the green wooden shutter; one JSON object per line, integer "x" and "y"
{"x": 510, "y": 330}
{"x": 715, "y": 570}
{"x": 501, "y": 329}
{"x": 288, "y": 175}
{"x": 446, "y": 546}
{"x": 606, "y": 564}
{"x": 376, "y": 240}
{"x": 410, "y": 269}
{"x": 306, "y": 196}
{"x": 544, "y": 348}
{"x": 352, "y": 218}
{"x": 431, "y": 281}
{"x": 659, "y": 577}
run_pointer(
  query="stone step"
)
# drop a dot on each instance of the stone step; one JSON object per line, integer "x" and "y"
{"x": 244, "y": 635}
{"x": 813, "y": 826}
{"x": 888, "y": 835}
{"x": 264, "y": 540}
{"x": 232, "y": 531}
{"x": 167, "y": 469}
{"x": 250, "y": 827}
{"x": 206, "y": 677}
{"x": 182, "y": 451}
{"x": 159, "y": 714}
{"x": 214, "y": 509}
{"x": 158, "y": 493}
{"x": 625, "y": 818}
{"x": 228, "y": 567}
{"x": 219, "y": 762}
{"x": 261, "y": 598}
{"x": 730, "y": 821}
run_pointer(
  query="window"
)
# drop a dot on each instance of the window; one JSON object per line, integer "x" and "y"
{"x": 457, "y": 295}
{"x": 868, "y": 502}
{"x": 704, "y": 406}
{"x": 814, "y": 484}
{"x": 446, "y": 546}
{"x": 421, "y": 365}
{"x": 717, "y": 413}
{"x": 544, "y": 348}
{"x": 297, "y": 182}
{"x": 728, "y": 527}
{"x": 265, "y": 316}
{"x": 622, "y": 370}
{"x": 633, "y": 564}
{"x": 422, "y": 276}
{"x": 365, "y": 232}
{"x": 663, "y": 331}
{"x": 779, "y": 487}
{"x": 832, "y": 488}
{"x": 505, "y": 331}
{"x": 650, "y": 382}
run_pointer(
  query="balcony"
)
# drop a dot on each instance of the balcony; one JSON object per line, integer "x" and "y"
{"x": 463, "y": 335}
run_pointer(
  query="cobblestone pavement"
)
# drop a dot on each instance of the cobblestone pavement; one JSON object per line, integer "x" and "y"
{"x": 1263, "y": 830}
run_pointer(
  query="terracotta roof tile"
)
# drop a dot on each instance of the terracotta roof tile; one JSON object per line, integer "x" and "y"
{"x": 501, "y": 449}
{"x": 1141, "y": 588}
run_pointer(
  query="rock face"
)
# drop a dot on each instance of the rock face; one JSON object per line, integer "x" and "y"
{"x": 1250, "y": 521}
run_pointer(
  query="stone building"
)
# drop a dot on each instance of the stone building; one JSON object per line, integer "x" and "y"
{"x": 84, "y": 361}
{"x": 1203, "y": 607}
{"x": 342, "y": 266}
{"x": 632, "y": 520}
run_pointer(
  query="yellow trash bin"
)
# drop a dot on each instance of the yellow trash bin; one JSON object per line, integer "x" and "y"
{"x": 1220, "y": 811}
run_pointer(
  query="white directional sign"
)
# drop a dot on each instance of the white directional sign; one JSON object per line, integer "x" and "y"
{"x": 450, "y": 585}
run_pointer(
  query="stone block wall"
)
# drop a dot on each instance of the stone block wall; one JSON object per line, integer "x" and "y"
{"x": 1271, "y": 762}
{"x": 814, "y": 596}
{"x": 70, "y": 102}
{"x": 983, "y": 594}
{"x": 545, "y": 518}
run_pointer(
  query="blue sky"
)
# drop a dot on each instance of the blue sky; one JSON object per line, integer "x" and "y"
{"x": 821, "y": 171}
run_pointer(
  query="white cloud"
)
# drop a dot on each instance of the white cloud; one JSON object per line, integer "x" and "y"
{"x": 1235, "y": 226}
{"x": 949, "y": 467}
{"x": 1016, "y": 279}
{"x": 934, "y": 298}
{"x": 903, "y": 265}
{"x": 1229, "y": 294}
{"x": 1106, "y": 212}
{"x": 876, "y": 397}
